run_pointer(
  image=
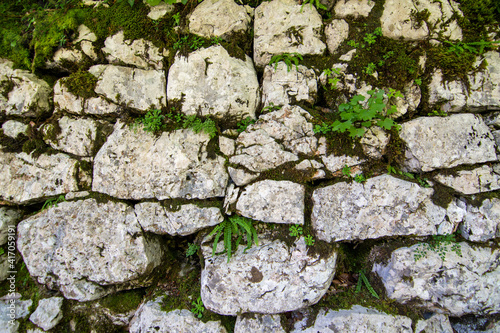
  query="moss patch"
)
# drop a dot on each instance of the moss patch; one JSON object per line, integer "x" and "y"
{"x": 81, "y": 83}
{"x": 123, "y": 302}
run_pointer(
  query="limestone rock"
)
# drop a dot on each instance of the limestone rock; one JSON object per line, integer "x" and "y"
{"x": 65, "y": 59}
{"x": 273, "y": 201}
{"x": 211, "y": 82}
{"x": 336, "y": 32}
{"x": 185, "y": 221}
{"x": 457, "y": 285}
{"x": 8, "y": 220}
{"x": 358, "y": 319}
{"x": 374, "y": 209}
{"x": 241, "y": 177}
{"x": 374, "y": 142}
{"x": 473, "y": 181}
{"x": 100, "y": 107}
{"x": 13, "y": 128}
{"x": 134, "y": 164}
{"x": 27, "y": 179}
{"x": 482, "y": 223}
{"x": 160, "y": 10}
{"x": 284, "y": 26}
{"x": 437, "y": 323}
{"x": 446, "y": 142}
{"x": 282, "y": 86}
{"x": 100, "y": 249}
{"x": 335, "y": 163}
{"x": 10, "y": 310}
{"x": 218, "y": 18}
{"x": 26, "y": 94}
{"x": 136, "y": 88}
{"x": 85, "y": 34}
{"x": 65, "y": 100}
{"x": 257, "y": 323}
{"x": 48, "y": 313}
{"x": 311, "y": 169}
{"x": 139, "y": 52}
{"x": 355, "y": 8}
{"x": 151, "y": 318}
{"x": 226, "y": 145}
{"x": 270, "y": 278}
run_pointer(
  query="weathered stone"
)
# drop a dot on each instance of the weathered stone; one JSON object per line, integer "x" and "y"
{"x": 376, "y": 208}
{"x": 160, "y": 10}
{"x": 27, "y": 179}
{"x": 139, "y": 52}
{"x": 226, "y": 145}
{"x": 100, "y": 249}
{"x": 99, "y": 106}
{"x": 13, "y": 128}
{"x": 273, "y": 201}
{"x": 134, "y": 164}
{"x": 284, "y": 26}
{"x": 77, "y": 195}
{"x": 473, "y": 181}
{"x": 446, "y": 142}
{"x": 136, "y": 88}
{"x": 218, "y": 18}
{"x": 438, "y": 323}
{"x": 482, "y": 223}
{"x": 358, "y": 319}
{"x": 230, "y": 199}
{"x": 335, "y": 163}
{"x": 336, "y": 32}
{"x": 9, "y": 312}
{"x": 282, "y": 85}
{"x": 151, "y": 318}
{"x": 212, "y": 83}
{"x": 257, "y": 323}
{"x": 64, "y": 100}
{"x": 355, "y": 8}
{"x": 65, "y": 59}
{"x": 26, "y": 95}
{"x": 84, "y": 33}
{"x": 48, "y": 313}
{"x": 185, "y": 221}
{"x": 312, "y": 169}
{"x": 457, "y": 285}
{"x": 8, "y": 220}
{"x": 241, "y": 177}
{"x": 374, "y": 142}
{"x": 269, "y": 278}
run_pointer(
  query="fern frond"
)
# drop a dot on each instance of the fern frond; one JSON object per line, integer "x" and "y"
{"x": 216, "y": 240}
{"x": 368, "y": 285}
{"x": 227, "y": 240}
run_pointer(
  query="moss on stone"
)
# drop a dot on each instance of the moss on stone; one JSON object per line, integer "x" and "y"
{"x": 81, "y": 83}
{"x": 124, "y": 301}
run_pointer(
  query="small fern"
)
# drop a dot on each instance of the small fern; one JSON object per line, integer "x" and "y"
{"x": 290, "y": 59}
{"x": 364, "y": 280}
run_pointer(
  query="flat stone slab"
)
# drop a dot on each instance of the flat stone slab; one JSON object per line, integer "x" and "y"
{"x": 482, "y": 179}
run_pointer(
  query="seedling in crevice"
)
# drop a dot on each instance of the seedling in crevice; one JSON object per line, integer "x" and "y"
{"x": 271, "y": 107}
{"x": 346, "y": 171}
{"x": 198, "y": 307}
{"x": 369, "y": 69}
{"x": 289, "y": 59}
{"x": 362, "y": 279}
{"x": 421, "y": 181}
{"x": 309, "y": 240}
{"x": 192, "y": 249}
{"x": 53, "y": 202}
{"x": 152, "y": 121}
{"x": 295, "y": 230}
{"x": 316, "y": 4}
{"x": 234, "y": 225}
{"x": 242, "y": 125}
{"x": 359, "y": 178}
{"x": 334, "y": 79}
{"x": 441, "y": 244}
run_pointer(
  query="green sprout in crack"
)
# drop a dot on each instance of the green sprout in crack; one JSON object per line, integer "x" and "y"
{"x": 192, "y": 249}
{"x": 234, "y": 226}
{"x": 289, "y": 59}
{"x": 295, "y": 230}
{"x": 53, "y": 202}
{"x": 362, "y": 279}
{"x": 198, "y": 307}
{"x": 309, "y": 240}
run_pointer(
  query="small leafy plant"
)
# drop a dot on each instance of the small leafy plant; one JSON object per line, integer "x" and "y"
{"x": 441, "y": 244}
{"x": 237, "y": 226}
{"x": 53, "y": 202}
{"x": 295, "y": 230}
{"x": 331, "y": 74}
{"x": 197, "y": 125}
{"x": 309, "y": 240}
{"x": 460, "y": 48}
{"x": 437, "y": 113}
{"x": 316, "y": 4}
{"x": 346, "y": 171}
{"x": 370, "y": 68}
{"x": 359, "y": 178}
{"x": 289, "y": 59}
{"x": 198, "y": 307}
{"x": 271, "y": 107}
{"x": 152, "y": 121}
{"x": 421, "y": 181}
{"x": 192, "y": 249}
{"x": 362, "y": 279}
{"x": 242, "y": 125}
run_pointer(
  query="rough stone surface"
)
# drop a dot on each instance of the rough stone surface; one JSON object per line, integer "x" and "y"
{"x": 282, "y": 85}
{"x": 219, "y": 18}
{"x": 358, "y": 319}
{"x": 336, "y": 32}
{"x": 446, "y": 142}
{"x": 9, "y": 312}
{"x": 64, "y": 100}
{"x": 226, "y": 145}
{"x": 100, "y": 107}
{"x": 64, "y": 59}
{"x": 211, "y": 82}
{"x": 151, "y": 318}
{"x": 270, "y": 278}
{"x": 438, "y": 323}
{"x": 257, "y": 323}
{"x": 456, "y": 286}
{"x": 134, "y": 164}
{"x": 27, "y": 179}
{"x": 48, "y": 313}
{"x": 273, "y": 201}
{"x": 374, "y": 142}
{"x": 284, "y": 26}
{"x": 136, "y": 88}
{"x": 8, "y": 217}
{"x": 160, "y": 10}
{"x": 355, "y": 8}
{"x": 29, "y": 96}
{"x": 482, "y": 223}
{"x": 242, "y": 177}
{"x": 185, "y": 221}
{"x": 13, "y": 128}
{"x": 335, "y": 163}
{"x": 376, "y": 208}
{"x": 311, "y": 169}
{"x": 139, "y": 53}
{"x": 482, "y": 179}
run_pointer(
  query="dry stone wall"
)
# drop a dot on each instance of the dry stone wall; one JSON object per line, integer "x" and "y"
{"x": 215, "y": 179}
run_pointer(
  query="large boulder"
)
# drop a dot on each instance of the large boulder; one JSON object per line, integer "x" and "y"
{"x": 134, "y": 164}
{"x": 210, "y": 82}
{"x": 88, "y": 249}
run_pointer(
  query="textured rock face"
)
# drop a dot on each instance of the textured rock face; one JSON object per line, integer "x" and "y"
{"x": 187, "y": 220}
{"x": 457, "y": 285}
{"x": 98, "y": 250}
{"x": 13, "y": 128}
{"x": 133, "y": 164}
{"x": 336, "y": 32}
{"x": 436, "y": 323}
{"x": 27, "y": 179}
{"x": 374, "y": 209}
{"x": 220, "y": 18}
{"x": 335, "y": 163}
{"x": 356, "y": 8}
{"x": 28, "y": 96}
{"x": 48, "y": 313}
{"x": 284, "y": 26}
{"x": 273, "y": 201}
{"x": 358, "y": 319}
{"x": 445, "y": 142}
{"x": 482, "y": 223}
{"x": 269, "y": 278}
{"x": 8, "y": 217}
{"x": 474, "y": 181}
{"x": 136, "y": 88}
{"x": 151, "y": 318}
{"x": 258, "y": 324}
{"x": 213, "y": 83}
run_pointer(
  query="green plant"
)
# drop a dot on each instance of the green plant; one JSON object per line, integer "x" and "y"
{"x": 370, "y": 39}
{"x": 157, "y": 2}
{"x": 359, "y": 178}
{"x": 237, "y": 226}
{"x": 177, "y": 18}
{"x": 437, "y": 113}
{"x": 309, "y": 240}
{"x": 192, "y": 249}
{"x": 216, "y": 40}
{"x": 334, "y": 79}
{"x": 346, "y": 171}
{"x": 295, "y": 230}
{"x": 242, "y": 125}
{"x": 316, "y": 4}
{"x": 362, "y": 279}
{"x": 418, "y": 81}
{"x": 288, "y": 59}
{"x": 196, "y": 43}
{"x": 53, "y": 202}
{"x": 440, "y": 244}
{"x": 378, "y": 32}
{"x": 2, "y": 251}
{"x": 208, "y": 126}
{"x": 460, "y": 48}
{"x": 152, "y": 121}
{"x": 271, "y": 107}
{"x": 198, "y": 307}
{"x": 369, "y": 69}
{"x": 353, "y": 43}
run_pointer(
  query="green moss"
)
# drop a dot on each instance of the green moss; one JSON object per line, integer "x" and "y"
{"x": 123, "y": 302}
{"x": 81, "y": 83}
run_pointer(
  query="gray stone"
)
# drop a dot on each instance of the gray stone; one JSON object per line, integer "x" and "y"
{"x": 84, "y": 33}
{"x": 284, "y": 26}
{"x": 226, "y": 145}
{"x": 201, "y": 80}
{"x": 269, "y": 278}
{"x": 355, "y": 8}
{"x": 438, "y": 323}
{"x": 77, "y": 195}
{"x": 242, "y": 177}
{"x": 151, "y": 318}
{"x": 64, "y": 59}
{"x": 219, "y": 18}
{"x": 134, "y": 164}
{"x": 482, "y": 179}
{"x": 160, "y": 10}
{"x": 482, "y": 223}
{"x": 311, "y": 169}
{"x": 376, "y": 208}
{"x": 336, "y": 32}
{"x": 335, "y": 163}
{"x": 282, "y": 85}
{"x": 48, "y": 313}
{"x": 8, "y": 220}
{"x": 358, "y": 319}
{"x": 100, "y": 249}
{"x": 101, "y": 107}
{"x": 374, "y": 142}
{"x": 185, "y": 221}
{"x": 257, "y": 323}
{"x": 136, "y": 88}
{"x": 457, "y": 285}
{"x": 230, "y": 199}
{"x": 13, "y": 128}
{"x": 446, "y": 142}
{"x": 64, "y": 100}
{"x": 273, "y": 201}
{"x": 29, "y": 179}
